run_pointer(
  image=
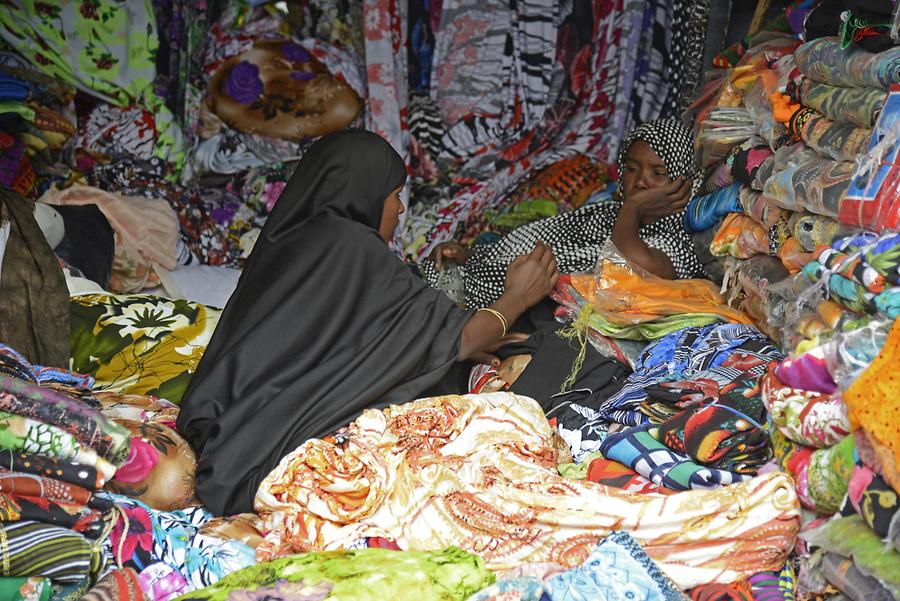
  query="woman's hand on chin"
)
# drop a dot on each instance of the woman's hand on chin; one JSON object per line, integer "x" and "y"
{"x": 655, "y": 203}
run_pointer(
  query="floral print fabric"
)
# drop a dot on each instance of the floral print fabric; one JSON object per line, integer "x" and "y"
{"x": 479, "y": 472}
{"x": 103, "y": 47}
{"x": 140, "y": 344}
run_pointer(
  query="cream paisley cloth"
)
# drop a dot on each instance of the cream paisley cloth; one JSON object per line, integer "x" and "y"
{"x": 479, "y": 472}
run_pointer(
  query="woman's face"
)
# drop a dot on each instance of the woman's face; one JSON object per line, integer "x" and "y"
{"x": 390, "y": 216}
{"x": 644, "y": 170}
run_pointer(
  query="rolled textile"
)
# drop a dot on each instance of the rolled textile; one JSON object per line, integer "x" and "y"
{"x": 823, "y": 60}
{"x": 813, "y": 231}
{"x": 35, "y": 549}
{"x": 759, "y": 208}
{"x": 856, "y": 106}
{"x": 832, "y": 139}
{"x": 816, "y": 185}
{"x": 809, "y": 418}
{"x": 34, "y": 485}
{"x": 87, "y": 425}
{"x": 740, "y": 237}
{"x": 15, "y": 508}
{"x": 66, "y": 471}
{"x": 704, "y": 212}
{"x": 32, "y": 436}
{"x": 431, "y": 491}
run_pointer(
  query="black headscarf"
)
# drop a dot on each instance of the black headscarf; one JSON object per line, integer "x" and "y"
{"x": 325, "y": 322}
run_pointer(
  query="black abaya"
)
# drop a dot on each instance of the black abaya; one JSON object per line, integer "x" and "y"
{"x": 325, "y": 323}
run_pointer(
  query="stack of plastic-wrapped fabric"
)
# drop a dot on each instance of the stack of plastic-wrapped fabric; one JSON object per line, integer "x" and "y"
{"x": 799, "y": 225}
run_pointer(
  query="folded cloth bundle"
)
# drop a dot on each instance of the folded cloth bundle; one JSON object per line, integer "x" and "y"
{"x": 857, "y": 106}
{"x": 704, "y": 212}
{"x": 809, "y": 418}
{"x": 36, "y": 549}
{"x": 831, "y": 139}
{"x": 823, "y": 60}
{"x": 816, "y": 185}
{"x": 727, "y": 433}
{"x": 640, "y": 449}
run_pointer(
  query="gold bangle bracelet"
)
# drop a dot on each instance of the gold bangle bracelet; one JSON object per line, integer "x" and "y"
{"x": 499, "y": 316}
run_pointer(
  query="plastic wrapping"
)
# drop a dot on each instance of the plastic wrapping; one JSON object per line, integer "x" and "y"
{"x": 849, "y": 353}
{"x": 741, "y": 237}
{"x": 759, "y": 208}
{"x": 816, "y": 185}
{"x": 757, "y": 104}
{"x": 725, "y": 128}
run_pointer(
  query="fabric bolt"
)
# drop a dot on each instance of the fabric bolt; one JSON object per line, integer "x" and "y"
{"x": 872, "y": 402}
{"x": 14, "y": 364}
{"x": 31, "y": 436}
{"x": 816, "y": 185}
{"x": 857, "y": 106}
{"x": 843, "y": 574}
{"x": 727, "y": 433}
{"x": 704, "y": 212}
{"x": 823, "y": 60}
{"x": 32, "y": 287}
{"x": 808, "y": 371}
{"x": 140, "y": 344}
{"x": 430, "y": 491}
{"x": 117, "y": 585}
{"x": 813, "y": 231}
{"x": 364, "y": 574}
{"x": 850, "y": 537}
{"x": 639, "y": 448}
{"x": 162, "y": 581}
{"x": 808, "y": 418}
{"x": 741, "y": 237}
{"x": 828, "y": 475}
{"x": 16, "y": 508}
{"x": 873, "y": 499}
{"x": 831, "y": 139}
{"x": 36, "y": 549}
{"x": 576, "y": 238}
{"x": 25, "y": 588}
{"x": 616, "y": 566}
{"x": 759, "y": 208}
{"x": 118, "y": 132}
{"x": 174, "y": 538}
{"x": 70, "y": 472}
{"x": 87, "y": 425}
{"x": 746, "y": 161}
{"x": 33, "y": 485}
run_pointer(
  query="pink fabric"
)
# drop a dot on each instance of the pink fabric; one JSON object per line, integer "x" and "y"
{"x": 807, "y": 372}
{"x": 141, "y": 461}
{"x": 862, "y": 477}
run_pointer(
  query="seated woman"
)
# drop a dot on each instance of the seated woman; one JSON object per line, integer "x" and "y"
{"x": 327, "y": 322}
{"x": 657, "y": 178}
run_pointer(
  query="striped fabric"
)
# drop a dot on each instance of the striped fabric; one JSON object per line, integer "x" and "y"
{"x": 36, "y": 549}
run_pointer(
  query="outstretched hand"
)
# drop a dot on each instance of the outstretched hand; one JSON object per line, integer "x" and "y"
{"x": 487, "y": 355}
{"x": 656, "y": 203}
{"x": 531, "y": 277}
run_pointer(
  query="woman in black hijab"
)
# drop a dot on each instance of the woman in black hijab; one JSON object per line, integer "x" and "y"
{"x": 326, "y": 322}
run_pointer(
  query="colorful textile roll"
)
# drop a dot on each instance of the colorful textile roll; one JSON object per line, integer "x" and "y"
{"x": 823, "y": 60}
{"x": 856, "y": 106}
{"x": 84, "y": 476}
{"x": 741, "y": 237}
{"x": 36, "y": 549}
{"x": 809, "y": 418}
{"x": 816, "y": 185}
{"x": 831, "y": 139}
{"x": 704, "y": 212}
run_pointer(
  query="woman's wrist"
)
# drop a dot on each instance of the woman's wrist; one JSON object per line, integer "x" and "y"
{"x": 510, "y": 307}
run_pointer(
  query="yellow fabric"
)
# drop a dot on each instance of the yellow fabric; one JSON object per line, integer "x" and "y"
{"x": 625, "y": 297}
{"x": 873, "y": 400}
{"x": 479, "y": 472}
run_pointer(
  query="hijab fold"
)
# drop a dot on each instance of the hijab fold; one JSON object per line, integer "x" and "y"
{"x": 325, "y": 322}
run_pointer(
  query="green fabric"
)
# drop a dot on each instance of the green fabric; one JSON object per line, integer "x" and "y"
{"x": 523, "y": 213}
{"x": 105, "y": 47}
{"x": 577, "y": 471}
{"x": 11, "y": 106}
{"x": 851, "y": 537}
{"x": 365, "y": 574}
{"x": 829, "y": 473}
{"x": 650, "y": 330}
{"x": 14, "y": 588}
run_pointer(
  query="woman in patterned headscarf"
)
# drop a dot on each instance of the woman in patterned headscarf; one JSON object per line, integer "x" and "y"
{"x": 657, "y": 178}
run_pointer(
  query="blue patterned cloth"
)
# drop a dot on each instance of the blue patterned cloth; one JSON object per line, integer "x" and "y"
{"x": 704, "y": 212}
{"x": 617, "y": 568}
{"x": 686, "y": 355}
{"x": 526, "y": 588}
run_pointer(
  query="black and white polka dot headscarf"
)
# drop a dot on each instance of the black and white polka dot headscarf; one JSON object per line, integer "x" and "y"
{"x": 673, "y": 141}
